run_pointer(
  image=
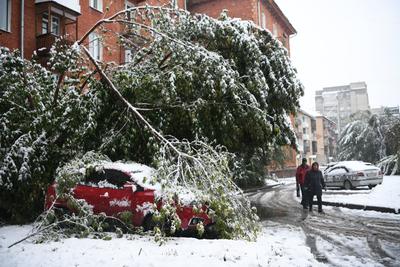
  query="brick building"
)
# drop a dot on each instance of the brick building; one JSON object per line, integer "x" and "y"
{"x": 36, "y": 26}
{"x": 44, "y": 20}
{"x": 317, "y": 138}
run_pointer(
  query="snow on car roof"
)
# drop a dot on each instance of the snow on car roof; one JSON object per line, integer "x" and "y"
{"x": 356, "y": 165}
{"x": 140, "y": 173}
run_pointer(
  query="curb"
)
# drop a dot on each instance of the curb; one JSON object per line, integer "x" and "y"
{"x": 252, "y": 190}
{"x": 359, "y": 207}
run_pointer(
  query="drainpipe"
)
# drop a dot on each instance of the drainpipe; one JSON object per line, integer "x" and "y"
{"x": 259, "y": 12}
{"x": 22, "y": 28}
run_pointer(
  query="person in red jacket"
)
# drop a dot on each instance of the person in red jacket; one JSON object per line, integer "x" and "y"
{"x": 300, "y": 175}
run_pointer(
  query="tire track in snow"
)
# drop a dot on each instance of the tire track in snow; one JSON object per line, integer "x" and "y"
{"x": 280, "y": 205}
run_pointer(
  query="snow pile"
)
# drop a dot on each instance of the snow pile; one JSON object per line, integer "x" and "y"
{"x": 356, "y": 165}
{"x": 120, "y": 203}
{"x": 140, "y": 173}
{"x": 71, "y": 4}
{"x": 275, "y": 247}
{"x": 385, "y": 195}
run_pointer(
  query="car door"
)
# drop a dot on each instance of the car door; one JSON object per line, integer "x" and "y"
{"x": 89, "y": 190}
{"x": 336, "y": 176}
{"x": 114, "y": 196}
{"x": 142, "y": 203}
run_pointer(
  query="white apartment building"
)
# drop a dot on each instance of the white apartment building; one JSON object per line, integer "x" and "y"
{"x": 338, "y": 103}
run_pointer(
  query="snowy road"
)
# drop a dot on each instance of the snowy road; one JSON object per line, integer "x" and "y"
{"x": 339, "y": 236}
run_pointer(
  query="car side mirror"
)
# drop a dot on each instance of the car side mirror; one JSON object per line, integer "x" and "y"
{"x": 131, "y": 186}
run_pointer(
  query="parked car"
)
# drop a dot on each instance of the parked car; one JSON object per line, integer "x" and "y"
{"x": 119, "y": 187}
{"x": 352, "y": 174}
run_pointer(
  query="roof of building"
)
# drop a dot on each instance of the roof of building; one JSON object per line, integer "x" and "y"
{"x": 70, "y": 4}
{"x": 278, "y": 12}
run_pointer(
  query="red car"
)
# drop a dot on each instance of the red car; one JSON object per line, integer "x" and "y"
{"x": 119, "y": 187}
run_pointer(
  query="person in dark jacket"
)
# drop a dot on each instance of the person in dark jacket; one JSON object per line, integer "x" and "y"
{"x": 313, "y": 184}
{"x": 300, "y": 175}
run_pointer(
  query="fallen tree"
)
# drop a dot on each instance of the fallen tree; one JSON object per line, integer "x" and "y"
{"x": 227, "y": 81}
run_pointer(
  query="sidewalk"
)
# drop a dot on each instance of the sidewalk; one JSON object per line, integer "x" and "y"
{"x": 359, "y": 207}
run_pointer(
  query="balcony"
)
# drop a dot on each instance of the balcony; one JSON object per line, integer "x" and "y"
{"x": 54, "y": 19}
{"x": 45, "y": 41}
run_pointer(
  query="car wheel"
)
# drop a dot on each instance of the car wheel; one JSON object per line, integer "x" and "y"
{"x": 211, "y": 232}
{"x": 347, "y": 185}
{"x": 148, "y": 223}
{"x": 371, "y": 186}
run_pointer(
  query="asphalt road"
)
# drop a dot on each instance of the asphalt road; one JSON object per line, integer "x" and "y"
{"x": 370, "y": 240}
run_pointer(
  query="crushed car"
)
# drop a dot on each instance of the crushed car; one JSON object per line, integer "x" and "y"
{"x": 115, "y": 187}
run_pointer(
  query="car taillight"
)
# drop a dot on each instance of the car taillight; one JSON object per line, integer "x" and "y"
{"x": 359, "y": 174}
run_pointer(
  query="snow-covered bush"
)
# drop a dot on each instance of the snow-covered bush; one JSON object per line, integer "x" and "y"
{"x": 36, "y": 133}
{"x": 390, "y": 165}
{"x": 372, "y": 138}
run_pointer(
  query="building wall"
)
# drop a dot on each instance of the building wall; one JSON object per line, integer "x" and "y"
{"x": 89, "y": 16}
{"x": 244, "y": 9}
{"x": 305, "y": 129}
{"x": 12, "y": 39}
{"x": 317, "y": 130}
{"x": 321, "y": 157}
{"x": 340, "y": 102}
{"x": 247, "y": 10}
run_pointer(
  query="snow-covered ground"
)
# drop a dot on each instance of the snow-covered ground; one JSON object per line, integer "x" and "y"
{"x": 276, "y": 246}
{"x": 385, "y": 195}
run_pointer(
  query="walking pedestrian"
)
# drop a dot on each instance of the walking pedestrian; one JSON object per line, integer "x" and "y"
{"x": 313, "y": 183}
{"x": 300, "y": 175}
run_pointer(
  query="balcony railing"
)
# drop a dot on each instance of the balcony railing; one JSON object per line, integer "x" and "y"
{"x": 44, "y": 42}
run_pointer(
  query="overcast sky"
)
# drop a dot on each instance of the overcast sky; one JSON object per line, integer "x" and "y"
{"x": 343, "y": 41}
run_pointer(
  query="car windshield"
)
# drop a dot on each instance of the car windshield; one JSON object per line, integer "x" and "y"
{"x": 107, "y": 178}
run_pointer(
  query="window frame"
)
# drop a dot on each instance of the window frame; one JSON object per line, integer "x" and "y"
{"x": 45, "y": 22}
{"x": 96, "y": 4}
{"x": 7, "y": 26}
{"x": 263, "y": 20}
{"x": 275, "y": 30}
{"x": 95, "y": 46}
{"x": 58, "y": 19}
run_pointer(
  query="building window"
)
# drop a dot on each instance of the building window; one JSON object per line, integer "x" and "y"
{"x": 5, "y": 15}
{"x": 263, "y": 20}
{"x": 45, "y": 23}
{"x": 275, "y": 30}
{"x": 96, "y": 4}
{"x": 285, "y": 39}
{"x": 55, "y": 24}
{"x": 129, "y": 14}
{"x": 95, "y": 46}
{"x": 128, "y": 55}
